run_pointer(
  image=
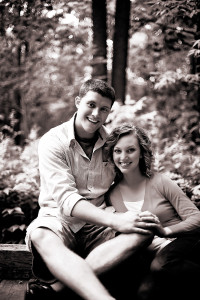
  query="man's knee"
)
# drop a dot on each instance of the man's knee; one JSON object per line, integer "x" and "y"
{"x": 41, "y": 236}
{"x": 140, "y": 239}
{"x": 136, "y": 241}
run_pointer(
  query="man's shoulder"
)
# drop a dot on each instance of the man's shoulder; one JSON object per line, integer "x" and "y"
{"x": 60, "y": 133}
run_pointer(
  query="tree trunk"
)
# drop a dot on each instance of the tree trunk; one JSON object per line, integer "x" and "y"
{"x": 197, "y": 61}
{"x": 99, "y": 49}
{"x": 120, "y": 48}
{"x": 18, "y": 117}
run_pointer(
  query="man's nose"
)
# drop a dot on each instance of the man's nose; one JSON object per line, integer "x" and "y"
{"x": 95, "y": 111}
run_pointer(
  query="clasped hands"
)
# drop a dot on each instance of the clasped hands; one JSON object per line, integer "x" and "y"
{"x": 143, "y": 222}
{"x": 152, "y": 222}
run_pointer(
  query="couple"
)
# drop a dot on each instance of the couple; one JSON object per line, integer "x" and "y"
{"x": 75, "y": 239}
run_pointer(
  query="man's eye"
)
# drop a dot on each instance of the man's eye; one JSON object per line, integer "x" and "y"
{"x": 91, "y": 105}
{"x": 105, "y": 109}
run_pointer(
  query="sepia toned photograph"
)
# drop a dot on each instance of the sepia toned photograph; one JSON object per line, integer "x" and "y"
{"x": 99, "y": 149}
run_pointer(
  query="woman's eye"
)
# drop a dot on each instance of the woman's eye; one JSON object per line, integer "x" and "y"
{"x": 117, "y": 151}
{"x": 131, "y": 150}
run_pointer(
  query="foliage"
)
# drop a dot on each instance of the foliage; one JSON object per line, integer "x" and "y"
{"x": 19, "y": 189}
{"x": 42, "y": 46}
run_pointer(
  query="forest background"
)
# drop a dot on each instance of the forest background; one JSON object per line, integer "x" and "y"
{"x": 148, "y": 50}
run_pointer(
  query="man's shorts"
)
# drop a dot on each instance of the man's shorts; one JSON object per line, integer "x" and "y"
{"x": 81, "y": 242}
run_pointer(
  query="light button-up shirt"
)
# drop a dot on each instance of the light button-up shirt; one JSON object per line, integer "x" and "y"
{"x": 67, "y": 175}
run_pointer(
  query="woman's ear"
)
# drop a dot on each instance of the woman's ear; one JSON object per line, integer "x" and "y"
{"x": 77, "y": 101}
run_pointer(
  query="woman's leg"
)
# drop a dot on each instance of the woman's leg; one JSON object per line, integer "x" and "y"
{"x": 181, "y": 256}
{"x": 173, "y": 270}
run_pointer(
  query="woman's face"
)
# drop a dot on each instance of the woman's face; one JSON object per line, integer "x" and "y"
{"x": 126, "y": 154}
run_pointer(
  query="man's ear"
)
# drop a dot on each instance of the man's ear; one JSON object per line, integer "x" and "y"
{"x": 77, "y": 101}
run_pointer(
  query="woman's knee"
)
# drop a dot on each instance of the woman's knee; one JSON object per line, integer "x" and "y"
{"x": 156, "y": 266}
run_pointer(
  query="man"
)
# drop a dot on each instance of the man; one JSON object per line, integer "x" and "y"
{"x": 73, "y": 229}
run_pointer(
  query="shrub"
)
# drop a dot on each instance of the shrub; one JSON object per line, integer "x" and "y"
{"x": 19, "y": 189}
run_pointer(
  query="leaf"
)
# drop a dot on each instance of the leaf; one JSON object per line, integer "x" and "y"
{"x": 7, "y": 190}
{"x": 10, "y": 211}
{"x": 13, "y": 228}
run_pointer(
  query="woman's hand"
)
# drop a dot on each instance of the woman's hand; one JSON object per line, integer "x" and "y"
{"x": 154, "y": 224}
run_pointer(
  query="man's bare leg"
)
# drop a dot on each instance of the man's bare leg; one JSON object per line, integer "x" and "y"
{"x": 69, "y": 268}
{"x": 79, "y": 274}
{"x": 109, "y": 254}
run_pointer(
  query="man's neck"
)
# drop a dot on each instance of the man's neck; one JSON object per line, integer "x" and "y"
{"x": 87, "y": 144}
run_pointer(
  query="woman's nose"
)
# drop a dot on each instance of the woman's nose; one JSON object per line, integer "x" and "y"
{"x": 123, "y": 155}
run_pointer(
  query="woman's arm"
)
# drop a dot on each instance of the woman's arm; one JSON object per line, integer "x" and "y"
{"x": 186, "y": 210}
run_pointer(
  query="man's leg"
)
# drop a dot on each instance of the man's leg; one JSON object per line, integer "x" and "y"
{"x": 117, "y": 256}
{"x": 112, "y": 252}
{"x": 69, "y": 268}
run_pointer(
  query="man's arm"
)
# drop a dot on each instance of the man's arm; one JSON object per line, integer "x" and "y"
{"x": 127, "y": 222}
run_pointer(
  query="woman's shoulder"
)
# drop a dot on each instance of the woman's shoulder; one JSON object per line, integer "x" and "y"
{"x": 159, "y": 180}
{"x": 114, "y": 190}
{"x": 159, "y": 177}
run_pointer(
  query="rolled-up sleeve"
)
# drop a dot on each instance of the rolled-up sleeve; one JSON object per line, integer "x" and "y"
{"x": 57, "y": 181}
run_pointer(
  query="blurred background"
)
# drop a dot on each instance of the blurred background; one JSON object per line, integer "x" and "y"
{"x": 149, "y": 51}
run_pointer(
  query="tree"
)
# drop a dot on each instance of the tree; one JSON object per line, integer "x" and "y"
{"x": 99, "y": 48}
{"x": 41, "y": 49}
{"x": 197, "y": 53}
{"x": 18, "y": 34}
{"x": 120, "y": 47}
{"x": 120, "y": 44}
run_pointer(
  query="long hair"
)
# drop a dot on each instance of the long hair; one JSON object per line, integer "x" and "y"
{"x": 145, "y": 162}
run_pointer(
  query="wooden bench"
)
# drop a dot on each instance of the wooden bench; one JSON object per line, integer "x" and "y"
{"x": 15, "y": 271}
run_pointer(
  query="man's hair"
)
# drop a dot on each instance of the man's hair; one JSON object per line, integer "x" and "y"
{"x": 145, "y": 163}
{"x": 99, "y": 86}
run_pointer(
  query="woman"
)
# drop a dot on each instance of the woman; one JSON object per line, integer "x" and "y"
{"x": 139, "y": 189}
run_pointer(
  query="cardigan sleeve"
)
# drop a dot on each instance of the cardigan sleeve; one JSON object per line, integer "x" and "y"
{"x": 188, "y": 213}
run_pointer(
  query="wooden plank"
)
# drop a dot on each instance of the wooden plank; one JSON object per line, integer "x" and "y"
{"x": 15, "y": 262}
{"x": 12, "y": 289}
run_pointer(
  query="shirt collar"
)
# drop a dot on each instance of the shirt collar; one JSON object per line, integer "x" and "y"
{"x": 71, "y": 133}
{"x": 103, "y": 132}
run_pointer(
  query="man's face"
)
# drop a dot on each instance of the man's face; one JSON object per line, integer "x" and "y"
{"x": 92, "y": 111}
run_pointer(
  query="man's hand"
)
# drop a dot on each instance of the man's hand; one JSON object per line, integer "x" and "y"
{"x": 130, "y": 222}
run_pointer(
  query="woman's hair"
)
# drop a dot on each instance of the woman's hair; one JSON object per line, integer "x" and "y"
{"x": 145, "y": 163}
